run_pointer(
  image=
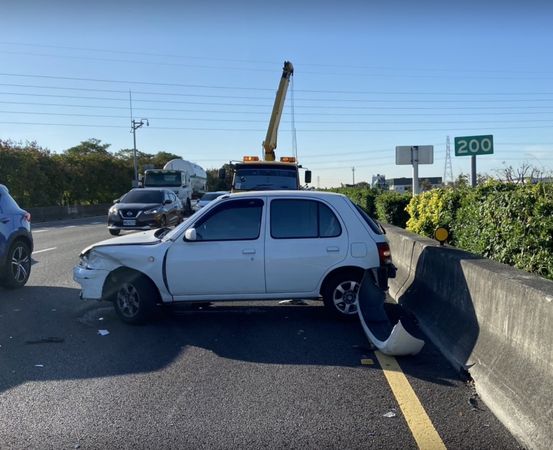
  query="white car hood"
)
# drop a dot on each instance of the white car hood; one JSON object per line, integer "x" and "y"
{"x": 143, "y": 238}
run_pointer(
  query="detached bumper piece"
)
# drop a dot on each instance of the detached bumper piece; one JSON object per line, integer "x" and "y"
{"x": 390, "y": 339}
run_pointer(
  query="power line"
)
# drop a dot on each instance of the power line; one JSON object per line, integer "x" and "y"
{"x": 323, "y": 130}
{"x": 306, "y": 91}
{"x": 305, "y": 107}
{"x": 250, "y": 61}
{"x": 311, "y": 122}
{"x": 425, "y": 93}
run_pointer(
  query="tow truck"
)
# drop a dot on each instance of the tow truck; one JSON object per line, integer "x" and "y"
{"x": 254, "y": 174}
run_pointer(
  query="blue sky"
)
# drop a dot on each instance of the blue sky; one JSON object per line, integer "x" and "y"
{"x": 368, "y": 76}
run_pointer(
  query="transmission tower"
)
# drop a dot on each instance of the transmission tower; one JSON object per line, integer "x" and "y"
{"x": 448, "y": 169}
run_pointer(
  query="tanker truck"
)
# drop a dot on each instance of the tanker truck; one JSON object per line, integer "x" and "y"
{"x": 186, "y": 179}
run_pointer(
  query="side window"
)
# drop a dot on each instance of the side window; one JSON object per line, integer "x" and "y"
{"x": 329, "y": 225}
{"x": 294, "y": 219}
{"x": 231, "y": 221}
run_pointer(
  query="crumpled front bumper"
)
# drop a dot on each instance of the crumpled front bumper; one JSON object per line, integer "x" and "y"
{"x": 91, "y": 281}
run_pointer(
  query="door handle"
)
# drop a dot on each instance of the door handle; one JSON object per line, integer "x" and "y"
{"x": 248, "y": 251}
{"x": 332, "y": 249}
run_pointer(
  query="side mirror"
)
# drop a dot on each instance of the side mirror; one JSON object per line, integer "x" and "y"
{"x": 308, "y": 176}
{"x": 190, "y": 234}
{"x": 117, "y": 200}
{"x": 222, "y": 174}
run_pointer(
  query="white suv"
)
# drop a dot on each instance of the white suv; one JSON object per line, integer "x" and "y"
{"x": 255, "y": 245}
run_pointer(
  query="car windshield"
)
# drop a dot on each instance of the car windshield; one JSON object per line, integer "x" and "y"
{"x": 172, "y": 178}
{"x": 143, "y": 196}
{"x": 255, "y": 178}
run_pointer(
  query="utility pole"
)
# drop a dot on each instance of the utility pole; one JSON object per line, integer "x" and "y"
{"x": 448, "y": 169}
{"x": 353, "y": 174}
{"x": 135, "y": 125}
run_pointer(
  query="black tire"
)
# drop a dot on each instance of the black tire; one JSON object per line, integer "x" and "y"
{"x": 114, "y": 232}
{"x": 18, "y": 265}
{"x": 135, "y": 299}
{"x": 340, "y": 294}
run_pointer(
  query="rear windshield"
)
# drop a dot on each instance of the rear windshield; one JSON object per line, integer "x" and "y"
{"x": 211, "y": 196}
{"x": 376, "y": 227}
{"x": 143, "y": 196}
{"x": 7, "y": 203}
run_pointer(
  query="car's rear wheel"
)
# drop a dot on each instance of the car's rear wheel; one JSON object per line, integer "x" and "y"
{"x": 135, "y": 299}
{"x": 18, "y": 267}
{"x": 114, "y": 232}
{"x": 340, "y": 294}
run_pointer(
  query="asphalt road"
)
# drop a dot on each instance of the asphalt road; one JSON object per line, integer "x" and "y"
{"x": 247, "y": 375}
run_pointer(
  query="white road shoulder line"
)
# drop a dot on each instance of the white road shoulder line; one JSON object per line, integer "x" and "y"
{"x": 39, "y": 231}
{"x": 44, "y": 250}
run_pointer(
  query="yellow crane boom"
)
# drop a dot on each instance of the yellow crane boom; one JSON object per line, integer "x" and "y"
{"x": 270, "y": 142}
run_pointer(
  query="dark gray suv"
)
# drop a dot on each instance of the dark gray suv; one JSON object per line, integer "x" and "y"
{"x": 16, "y": 242}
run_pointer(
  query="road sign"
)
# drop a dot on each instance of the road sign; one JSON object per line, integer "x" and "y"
{"x": 474, "y": 145}
{"x": 405, "y": 154}
{"x": 415, "y": 155}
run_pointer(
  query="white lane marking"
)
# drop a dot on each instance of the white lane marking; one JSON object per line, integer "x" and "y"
{"x": 39, "y": 231}
{"x": 70, "y": 226}
{"x": 44, "y": 250}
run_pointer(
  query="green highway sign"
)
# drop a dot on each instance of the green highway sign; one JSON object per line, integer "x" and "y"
{"x": 474, "y": 145}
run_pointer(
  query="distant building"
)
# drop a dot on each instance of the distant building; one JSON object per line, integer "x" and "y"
{"x": 379, "y": 181}
{"x": 406, "y": 184}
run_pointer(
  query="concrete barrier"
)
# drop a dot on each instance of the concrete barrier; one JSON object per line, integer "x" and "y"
{"x": 486, "y": 317}
{"x": 48, "y": 213}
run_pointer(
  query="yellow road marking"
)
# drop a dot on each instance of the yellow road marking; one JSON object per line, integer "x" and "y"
{"x": 418, "y": 421}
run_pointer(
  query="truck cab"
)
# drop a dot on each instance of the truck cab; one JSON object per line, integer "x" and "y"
{"x": 177, "y": 181}
{"x": 254, "y": 175}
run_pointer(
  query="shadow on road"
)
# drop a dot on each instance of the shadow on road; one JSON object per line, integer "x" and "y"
{"x": 47, "y": 333}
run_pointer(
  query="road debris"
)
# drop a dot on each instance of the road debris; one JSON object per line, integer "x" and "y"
{"x": 390, "y": 414}
{"x": 39, "y": 365}
{"x": 293, "y": 302}
{"x": 103, "y": 332}
{"x": 367, "y": 362}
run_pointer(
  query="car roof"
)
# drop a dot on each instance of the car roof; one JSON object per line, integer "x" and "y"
{"x": 150, "y": 189}
{"x": 287, "y": 193}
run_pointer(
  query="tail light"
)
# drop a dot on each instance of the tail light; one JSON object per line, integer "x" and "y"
{"x": 27, "y": 216}
{"x": 384, "y": 253}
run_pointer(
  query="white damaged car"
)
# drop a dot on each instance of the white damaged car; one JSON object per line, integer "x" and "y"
{"x": 248, "y": 246}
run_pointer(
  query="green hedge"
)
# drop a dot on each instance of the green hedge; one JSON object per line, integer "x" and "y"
{"x": 390, "y": 208}
{"x": 364, "y": 197}
{"x": 509, "y": 223}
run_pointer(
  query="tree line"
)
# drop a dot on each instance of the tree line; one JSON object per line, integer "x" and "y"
{"x": 86, "y": 174}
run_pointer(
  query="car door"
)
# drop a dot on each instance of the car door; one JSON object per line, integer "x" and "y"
{"x": 227, "y": 257}
{"x": 305, "y": 239}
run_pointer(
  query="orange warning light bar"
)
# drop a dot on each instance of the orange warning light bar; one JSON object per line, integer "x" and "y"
{"x": 288, "y": 159}
{"x": 250, "y": 158}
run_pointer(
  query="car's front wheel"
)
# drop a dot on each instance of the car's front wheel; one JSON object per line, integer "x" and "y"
{"x": 134, "y": 299}
{"x": 114, "y": 232}
{"x": 340, "y": 294}
{"x": 18, "y": 267}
